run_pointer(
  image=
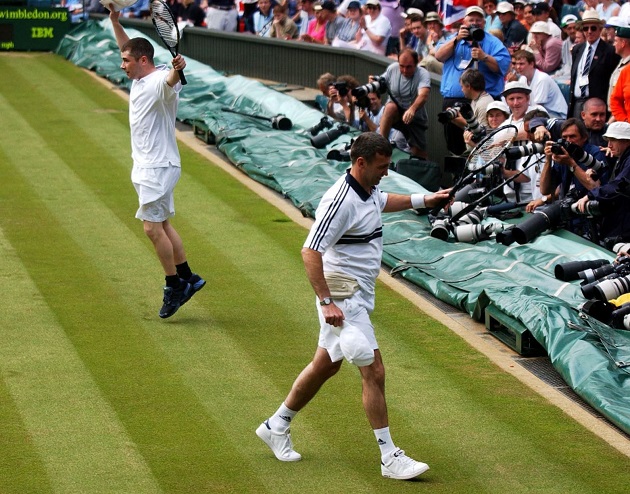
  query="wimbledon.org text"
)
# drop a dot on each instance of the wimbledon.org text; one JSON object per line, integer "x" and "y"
{"x": 33, "y": 14}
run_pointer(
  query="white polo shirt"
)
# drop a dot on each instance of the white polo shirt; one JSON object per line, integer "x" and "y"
{"x": 348, "y": 231}
{"x": 152, "y": 112}
{"x": 380, "y": 27}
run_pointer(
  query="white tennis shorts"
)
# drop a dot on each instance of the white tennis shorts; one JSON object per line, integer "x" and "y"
{"x": 155, "y": 192}
{"x": 355, "y": 339}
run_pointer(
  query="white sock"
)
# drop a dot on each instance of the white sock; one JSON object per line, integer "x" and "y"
{"x": 385, "y": 442}
{"x": 281, "y": 420}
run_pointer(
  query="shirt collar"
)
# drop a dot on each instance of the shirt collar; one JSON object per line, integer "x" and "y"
{"x": 356, "y": 186}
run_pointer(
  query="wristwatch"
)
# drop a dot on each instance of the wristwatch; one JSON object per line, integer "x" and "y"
{"x": 572, "y": 169}
{"x": 544, "y": 199}
{"x": 326, "y": 301}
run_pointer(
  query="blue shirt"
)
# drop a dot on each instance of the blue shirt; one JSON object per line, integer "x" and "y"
{"x": 461, "y": 59}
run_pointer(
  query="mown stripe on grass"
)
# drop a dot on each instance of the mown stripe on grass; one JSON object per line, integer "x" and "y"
{"x": 166, "y": 421}
{"x": 76, "y": 434}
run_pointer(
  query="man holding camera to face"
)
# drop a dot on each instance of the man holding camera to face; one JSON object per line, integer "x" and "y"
{"x": 471, "y": 47}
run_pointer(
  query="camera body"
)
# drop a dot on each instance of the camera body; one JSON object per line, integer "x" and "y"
{"x": 341, "y": 87}
{"x": 475, "y": 34}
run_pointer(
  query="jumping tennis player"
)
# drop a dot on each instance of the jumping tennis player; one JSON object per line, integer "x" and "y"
{"x": 156, "y": 162}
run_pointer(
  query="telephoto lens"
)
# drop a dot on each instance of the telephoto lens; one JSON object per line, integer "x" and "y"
{"x": 619, "y": 314}
{"x": 506, "y": 237}
{"x": 441, "y": 229}
{"x": 610, "y": 289}
{"x": 602, "y": 311}
{"x": 473, "y": 218}
{"x": 543, "y": 219}
{"x": 470, "y": 233}
{"x": 570, "y": 271}
{"x": 590, "y": 275}
{"x": 588, "y": 290}
{"x": 324, "y": 123}
{"x": 456, "y": 207}
{"x": 324, "y": 138}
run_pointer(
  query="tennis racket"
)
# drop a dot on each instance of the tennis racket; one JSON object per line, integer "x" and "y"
{"x": 489, "y": 149}
{"x": 166, "y": 27}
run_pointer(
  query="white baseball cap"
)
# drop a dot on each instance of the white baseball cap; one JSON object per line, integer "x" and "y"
{"x": 568, "y": 19}
{"x": 616, "y": 21}
{"x": 516, "y": 87}
{"x": 540, "y": 27}
{"x": 412, "y": 10}
{"x": 498, "y": 105}
{"x": 505, "y": 7}
{"x": 475, "y": 10}
{"x": 618, "y": 130}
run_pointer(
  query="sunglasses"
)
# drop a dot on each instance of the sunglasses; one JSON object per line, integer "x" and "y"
{"x": 590, "y": 28}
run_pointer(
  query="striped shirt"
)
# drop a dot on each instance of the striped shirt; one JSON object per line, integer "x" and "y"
{"x": 348, "y": 231}
{"x": 347, "y": 30}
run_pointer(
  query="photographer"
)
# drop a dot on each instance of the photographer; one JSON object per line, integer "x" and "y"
{"x": 471, "y": 47}
{"x": 409, "y": 87}
{"x": 562, "y": 174}
{"x": 370, "y": 119}
{"x": 340, "y": 103}
{"x": 473, "y": 86}
{"x": 614, "y": 197}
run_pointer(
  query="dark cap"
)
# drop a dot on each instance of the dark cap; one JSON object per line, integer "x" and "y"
{"x": 540, "y": 7}
{"x": 354, "y": 5}
{"x": 329, "y": 5}
{"x": 623, "y": 32}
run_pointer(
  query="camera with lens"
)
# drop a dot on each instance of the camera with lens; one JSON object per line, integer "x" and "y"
{"x": 324, "y": 123}
{"x": 517, "y": 152}
{"x": 578, "y": 154}
{"x": 468, "y": 228}
{"x": 322, "y": 139}
{"x": 341, "y": 87}
{"x": 475, "y": 34}
{"x": 378, "y": 86}
{"x": 560, "y": 146}
{"x": 472, "y": 124}
{"x": 449, "y": 114}
{"x": 340, "y": 154}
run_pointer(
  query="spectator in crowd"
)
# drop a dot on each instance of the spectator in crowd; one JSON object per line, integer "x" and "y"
{"x": 561, "y": 174}
{"x": 376, "y": 29}
{"x": 333, "y": 21}
{"x": 620, "y": 96}
{"x": 420, "y": 33}
{"x": 613, "y": 199}
{"x": 492, "y": 18}
{"x": 545, "y": 91}
{"x": 528, "y": 16}
{"x": 405, "y": 35}
{"x": 619, "y": 100}
{"x": 569, "y": 26}
{"x": 547, "y": 49}
{"x": 592, "y": 65}
{"x": 435, "y": 34}
{"x": 610, "y": 27}
{"x": 607, "y": 9}
{"x": 222, "y": 15}
{"x": 514, "y": 33}
{"x": 541, "y": 13}
{"x": 283, "y": 27}
{"x": 192, "y": 14}
{"x": 139, "y": 10}
{"x": 263, "y": 19}
{"x": 249, "y": 7}
{"x": 350, "y": 27}
{"x": 516, "y": 96}
{"x": 519, "y": 10}
{"x": 316, "y": 31}
{"x": 301, "y": 17}
{"x": 408, "y": 39}
{"x": 391, "y": 9}
{"x": 458, "y": 53}
{"x": 409, "y": 87}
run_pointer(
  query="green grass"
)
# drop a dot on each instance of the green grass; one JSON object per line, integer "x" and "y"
{"x": 99, "y": 395}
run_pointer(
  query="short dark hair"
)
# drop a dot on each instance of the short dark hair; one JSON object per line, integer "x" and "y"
{"x": 535, "y": 113}
{"x": 524, "y": 54}
{"x": 139, "y": 47}
{"x": 412, "y": 52}
{"x": 474, "y": 79}
{"x": 414, "y": 18}
{"x": 368, "y": 145}
{"x": 578, "y": 123}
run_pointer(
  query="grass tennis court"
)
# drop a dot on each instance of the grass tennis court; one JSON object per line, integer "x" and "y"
{"x": 98, "y": 395}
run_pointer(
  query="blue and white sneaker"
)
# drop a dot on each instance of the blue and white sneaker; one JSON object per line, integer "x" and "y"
{"x": 174, "y": 298}
{"x": 196, "y": 283}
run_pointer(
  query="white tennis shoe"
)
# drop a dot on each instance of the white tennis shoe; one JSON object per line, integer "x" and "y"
{"x": 280, "y": 444}
{"x": 399, "y": 466}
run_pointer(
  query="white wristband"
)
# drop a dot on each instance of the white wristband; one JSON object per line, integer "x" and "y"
{"x": 417, "y": 201}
